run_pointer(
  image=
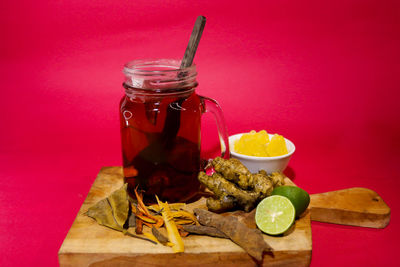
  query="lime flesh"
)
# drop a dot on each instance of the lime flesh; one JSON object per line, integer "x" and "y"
{"x": 275, "y": 215}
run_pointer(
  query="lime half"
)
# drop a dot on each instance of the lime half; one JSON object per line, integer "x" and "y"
{"x": 299, "y": 198}
{"x": 275, "y": 215}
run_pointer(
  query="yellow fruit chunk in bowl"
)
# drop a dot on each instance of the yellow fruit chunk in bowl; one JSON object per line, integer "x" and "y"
{"x": 253, "y": 144}
{"x": 261, "y": 151}
{"x": 277, "y": 146}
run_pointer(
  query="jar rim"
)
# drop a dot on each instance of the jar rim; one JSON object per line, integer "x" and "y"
{"x": 155, "y": 66}
{"x": 159, "y": 75}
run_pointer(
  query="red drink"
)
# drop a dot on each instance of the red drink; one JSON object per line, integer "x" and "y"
{"x": 166, "y": 157}
{"x": 160, "y": 129}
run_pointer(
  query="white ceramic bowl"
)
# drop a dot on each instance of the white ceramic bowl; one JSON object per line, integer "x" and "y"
{"x": 269, "y": 164}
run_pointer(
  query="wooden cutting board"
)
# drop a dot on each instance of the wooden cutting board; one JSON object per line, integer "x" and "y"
{"x": 89, "y": 244}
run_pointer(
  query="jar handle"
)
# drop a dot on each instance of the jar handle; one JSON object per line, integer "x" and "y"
{"x": 210, "y": 105}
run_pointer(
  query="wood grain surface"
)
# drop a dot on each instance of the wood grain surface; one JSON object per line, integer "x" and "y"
{"x": 89, "y": 244}
{"x": 354, "y": 206}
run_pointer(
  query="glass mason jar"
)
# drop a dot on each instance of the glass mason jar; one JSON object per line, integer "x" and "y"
{"x": 160, "y": 117}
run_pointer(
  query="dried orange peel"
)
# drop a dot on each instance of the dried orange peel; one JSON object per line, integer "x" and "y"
{"x": 173, "y": 233}
{"x": 171, "y": 215}
{"x": 172, "y": 206}
{"x": 184, "y": 217}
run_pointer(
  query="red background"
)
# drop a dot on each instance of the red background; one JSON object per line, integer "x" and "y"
{"x": 325, "y": 74}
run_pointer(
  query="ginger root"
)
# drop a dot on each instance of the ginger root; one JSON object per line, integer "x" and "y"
{"x": 221, "y": 204}
{"x": 234, "y": 185}
{"x": 223, "y": 188}
{"x": 233, "y": 170}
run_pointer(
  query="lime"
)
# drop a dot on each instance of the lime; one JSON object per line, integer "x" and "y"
{"x": 275, "y": 215}
{"x": 299, "y": 198}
